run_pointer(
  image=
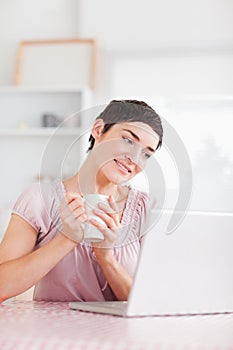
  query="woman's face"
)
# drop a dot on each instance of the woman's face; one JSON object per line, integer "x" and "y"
{"x": 124, "y": 150}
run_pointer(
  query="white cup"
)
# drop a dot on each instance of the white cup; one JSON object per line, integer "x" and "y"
{"x": 91, "y": 201}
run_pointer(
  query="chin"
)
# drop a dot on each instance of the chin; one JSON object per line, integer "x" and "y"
{"x": 115, "y": 178}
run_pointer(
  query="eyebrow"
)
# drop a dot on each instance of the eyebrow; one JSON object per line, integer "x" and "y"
{"x": 138, "y": 139}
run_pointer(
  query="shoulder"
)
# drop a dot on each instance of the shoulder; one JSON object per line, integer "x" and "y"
{"x": 36, "y": 203}
{"x": 138, "y": 197}
{"x": 146, "y": 206}
{"x": 51, "y": 191}
{"x": 31, "y": 194}
{"x": 136, "y": 206}
{"x": 41, "y": 191}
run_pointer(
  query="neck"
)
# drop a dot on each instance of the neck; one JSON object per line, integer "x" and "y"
{"x": 90, "y": 179}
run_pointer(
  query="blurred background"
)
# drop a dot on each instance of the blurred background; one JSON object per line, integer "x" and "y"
{"x": 175, "y": 55}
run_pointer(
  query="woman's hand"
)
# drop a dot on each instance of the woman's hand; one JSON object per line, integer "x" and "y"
{"x": 73, "y": 215}
{"x": 110, "y": 215}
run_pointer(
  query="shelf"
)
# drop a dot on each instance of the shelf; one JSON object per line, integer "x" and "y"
{"x": 41, "y": 132}
{"x": 43, "y": 89}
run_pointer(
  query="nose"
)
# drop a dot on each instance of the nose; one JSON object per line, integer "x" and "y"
{"x": 135, "y": 155}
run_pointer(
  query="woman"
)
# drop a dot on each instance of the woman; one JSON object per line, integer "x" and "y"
{"x": 43, "y": 244}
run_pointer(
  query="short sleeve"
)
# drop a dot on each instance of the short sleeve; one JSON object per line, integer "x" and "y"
{"x": 149, "y": 214}
{"x": 30, "y": 206}
{"x": 136, "y": 216}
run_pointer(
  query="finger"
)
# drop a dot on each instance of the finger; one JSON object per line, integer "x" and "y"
{"x": 97, "y": 224}
{"x": 65, "y": 211}
{"x": 110, "y": 236}
{"x": 78, "y": 212}
{"x": 76, "y": 203}
{"x": 110, "y": 222}
{"x": 106, "y": 208}
{"x": 70, "y": 196}
{"x": 112, "y": 210}
{"x": 113, "y": 205}
{"x": 70, "y": 208}
{"x": 70, "y": 218}
{"x": 83, "y": 218}
{"x": 107, "y": 233}
{"x": 112, "y": 202}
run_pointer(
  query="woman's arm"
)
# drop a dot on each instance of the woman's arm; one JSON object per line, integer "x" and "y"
{"x": 20, "y": 267}
{"x": 117, "y": 277}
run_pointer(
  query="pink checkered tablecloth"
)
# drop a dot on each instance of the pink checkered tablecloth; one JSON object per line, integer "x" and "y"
{"x": 27, "y": 325}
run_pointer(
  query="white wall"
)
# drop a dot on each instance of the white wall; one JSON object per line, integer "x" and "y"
{"x": 165, "y": 46}
{"x": 162, "y": 49}
{"x": 151, "y": 24}
{"x": 28, "y": 20}
{"x": 181, "y": 73}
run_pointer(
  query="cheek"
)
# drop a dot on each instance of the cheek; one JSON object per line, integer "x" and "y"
{"x": 107, "y": 151}
{"x": 109, "y": 171}
{"x": 120, "y": 149}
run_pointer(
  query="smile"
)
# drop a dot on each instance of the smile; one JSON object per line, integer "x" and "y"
{"x": 122, "y": 167}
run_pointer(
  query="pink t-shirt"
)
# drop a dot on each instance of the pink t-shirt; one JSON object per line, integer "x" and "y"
{"x": 78, "y": 276}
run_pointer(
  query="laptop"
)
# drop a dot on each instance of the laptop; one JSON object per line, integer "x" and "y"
{"x": 189, "y": 271}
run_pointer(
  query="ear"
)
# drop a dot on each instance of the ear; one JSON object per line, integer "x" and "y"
{"x": 97, "y": 128}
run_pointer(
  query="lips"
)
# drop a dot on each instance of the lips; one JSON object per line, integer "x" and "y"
{"x": 123, "y": 166}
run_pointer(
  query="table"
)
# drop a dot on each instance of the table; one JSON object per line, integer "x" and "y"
{"x": 30, "y": 325}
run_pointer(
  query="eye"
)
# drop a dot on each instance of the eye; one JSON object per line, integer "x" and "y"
{"x": 146, "y": 155}
{"x": 128, "y": 140}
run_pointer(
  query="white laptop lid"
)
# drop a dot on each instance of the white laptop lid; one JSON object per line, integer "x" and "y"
{"x": 188, "y": 271}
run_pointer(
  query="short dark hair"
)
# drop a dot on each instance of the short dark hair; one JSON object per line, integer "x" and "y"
{"x": 121, "y": 111}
